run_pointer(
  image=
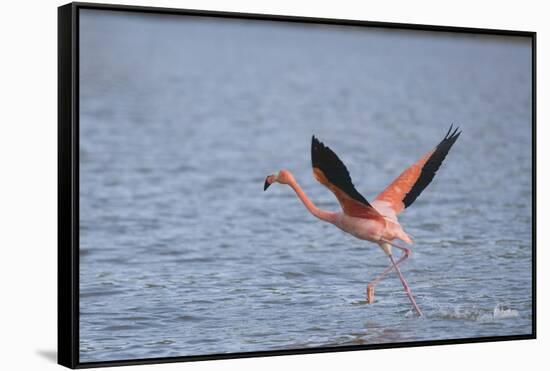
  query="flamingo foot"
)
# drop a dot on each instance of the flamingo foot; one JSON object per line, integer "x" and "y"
{"x": 370, "y": 294}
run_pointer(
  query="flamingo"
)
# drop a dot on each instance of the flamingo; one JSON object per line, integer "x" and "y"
{"x": 377, "y": 221}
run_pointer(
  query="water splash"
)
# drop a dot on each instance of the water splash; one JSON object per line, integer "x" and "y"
{"x": 499, "y": 312}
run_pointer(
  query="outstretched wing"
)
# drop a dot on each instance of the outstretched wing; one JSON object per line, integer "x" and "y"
{"x": 330, "y": 171}
{"x": 404, "y": 190}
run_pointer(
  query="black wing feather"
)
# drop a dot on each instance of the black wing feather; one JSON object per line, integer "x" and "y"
{"x": 431, "y": 166}
{"x": 323, "y": 158}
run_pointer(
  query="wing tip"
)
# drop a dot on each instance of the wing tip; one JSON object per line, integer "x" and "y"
{"x": 318, "y": 151}
{"x": 452, "y": 135}
{"x": 432, "y": 165}
{"x": 316, "y": 148}
{"x": 455, "y": 134}
{"x": 315, "y": 141}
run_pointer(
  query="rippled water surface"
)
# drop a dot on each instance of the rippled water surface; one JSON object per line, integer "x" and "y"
{"x": 181, "y": 251}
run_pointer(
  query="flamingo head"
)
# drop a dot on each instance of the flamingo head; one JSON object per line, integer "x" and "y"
{"x": 283, "y": 177}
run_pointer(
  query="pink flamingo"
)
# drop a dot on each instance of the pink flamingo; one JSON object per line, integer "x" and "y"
{"x": 377, "y": 221}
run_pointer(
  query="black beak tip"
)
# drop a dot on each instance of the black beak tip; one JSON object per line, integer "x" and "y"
{"x": 266, "y": 185}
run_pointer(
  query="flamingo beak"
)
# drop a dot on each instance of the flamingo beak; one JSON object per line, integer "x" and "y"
{"x": 266, "y": 184}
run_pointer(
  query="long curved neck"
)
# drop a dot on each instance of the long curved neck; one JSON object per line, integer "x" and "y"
{"x": 321, "y": 214}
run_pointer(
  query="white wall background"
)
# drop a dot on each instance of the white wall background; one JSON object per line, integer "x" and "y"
{"x": 28, "y": 182}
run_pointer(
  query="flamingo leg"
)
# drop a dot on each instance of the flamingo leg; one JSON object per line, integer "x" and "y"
{"x": 370, "y": 287}
{"x": 405, "y": 286}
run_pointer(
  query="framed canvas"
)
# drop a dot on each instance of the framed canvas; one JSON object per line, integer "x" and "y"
{"x": 240, "y": 185}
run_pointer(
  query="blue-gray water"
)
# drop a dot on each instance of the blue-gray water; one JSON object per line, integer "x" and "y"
{"x": 182, "y": 253}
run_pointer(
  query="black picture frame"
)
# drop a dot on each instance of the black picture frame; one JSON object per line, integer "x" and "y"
{"x": 68, "y": 181}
